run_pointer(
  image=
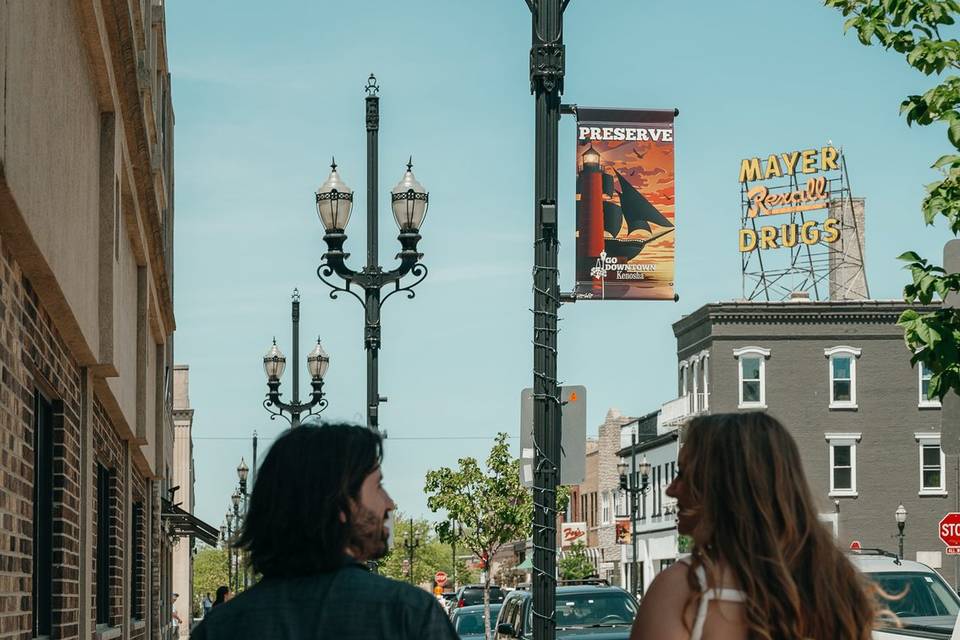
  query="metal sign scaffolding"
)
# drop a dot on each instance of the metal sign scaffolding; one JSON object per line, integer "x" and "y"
{"x": 801, "y": 263}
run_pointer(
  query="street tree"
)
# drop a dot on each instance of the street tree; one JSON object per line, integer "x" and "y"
{"x": 913, "y": 29}
{"x": 492, "y": 506}
{"x": 575, "y": 565}
{"x": 209, "y": 572}
{"x": 430, "y": 555}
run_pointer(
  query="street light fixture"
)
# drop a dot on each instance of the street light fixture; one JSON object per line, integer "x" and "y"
{"x": 409, "y": 202}
{"x": 900, "y": 515}
{"x": 274, "y": 364}
{"x": 634, "y": 491}
{"x": 242, "y": 471}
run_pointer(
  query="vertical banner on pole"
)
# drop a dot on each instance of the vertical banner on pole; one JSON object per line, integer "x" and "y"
{"x": 625, "y": 204}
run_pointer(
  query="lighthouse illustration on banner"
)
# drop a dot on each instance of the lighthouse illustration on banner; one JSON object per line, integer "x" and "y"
{"x": 625, "y": 206}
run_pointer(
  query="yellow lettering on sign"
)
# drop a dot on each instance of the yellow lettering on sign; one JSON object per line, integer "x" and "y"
{"x": 750, "y": 170}
{"x": 748, "y": 240}
{"x": 828, "y": 159}
{"x": 809, "y": 234}
{"x": 773, "y": 168}
{"x": 790, "y": 161}
{"x": 788, "y": 235}
{"x": 831, "y": 230}
{"x": 808, "y": 160}
{"x": 768, "y": 237}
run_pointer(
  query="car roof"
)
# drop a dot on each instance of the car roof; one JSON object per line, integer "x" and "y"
{"x": 577, "y": 589}
{"x": 476, "y": 608}
{"x": 886, "y": 564}
{"x": 479, "y": 586}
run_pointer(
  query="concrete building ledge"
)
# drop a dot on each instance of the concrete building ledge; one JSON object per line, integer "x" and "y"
{"x": 105, "y": 632}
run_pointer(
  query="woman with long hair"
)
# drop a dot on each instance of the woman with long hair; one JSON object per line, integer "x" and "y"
{"x": 763, "y": 565}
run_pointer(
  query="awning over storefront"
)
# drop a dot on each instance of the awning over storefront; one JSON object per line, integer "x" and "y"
{"x": 184, "y": 523}
{"x": 526, "y": 565}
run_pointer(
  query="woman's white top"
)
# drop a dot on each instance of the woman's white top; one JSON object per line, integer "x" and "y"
{"x": 729, "y": 595}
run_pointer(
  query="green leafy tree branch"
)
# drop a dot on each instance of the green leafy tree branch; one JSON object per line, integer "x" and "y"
{"x": 913, "y": 29}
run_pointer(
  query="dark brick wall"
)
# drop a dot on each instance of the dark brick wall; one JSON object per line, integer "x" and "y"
{"x": 138, "y": 492}
{"x": 33, "y": 355}
{"x": 108, "y": 451}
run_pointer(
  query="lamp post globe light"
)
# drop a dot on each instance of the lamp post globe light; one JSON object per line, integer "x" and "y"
{"x": 628, "y": 484}
{"x": 900, "y": 515}
{"x": 274, "y": 364}
{"x": 409, "y": 202}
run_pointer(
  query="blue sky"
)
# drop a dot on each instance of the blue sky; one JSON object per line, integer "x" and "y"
{"x": 265, "y": 93}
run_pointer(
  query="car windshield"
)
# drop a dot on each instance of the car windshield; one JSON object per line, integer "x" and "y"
{"x": 914, "y": 594}
{"x": 472, "y": 623}
{"x": 475, "y": 596}
{"x": 599, "y": 609}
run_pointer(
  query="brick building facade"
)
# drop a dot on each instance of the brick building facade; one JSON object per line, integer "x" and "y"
{"x": 86, "y": 321}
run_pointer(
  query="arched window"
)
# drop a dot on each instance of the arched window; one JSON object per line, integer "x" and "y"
{"x": 751, "y": 373}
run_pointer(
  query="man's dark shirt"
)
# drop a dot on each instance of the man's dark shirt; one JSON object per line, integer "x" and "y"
{"x": 348, "y": 603}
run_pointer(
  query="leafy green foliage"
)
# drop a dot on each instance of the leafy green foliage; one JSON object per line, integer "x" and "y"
{"x": 575, "y": 565}
{"x": 209, "y": 572}
{"x": 491, "y": 506}
{"x": 429, "y": 556}
{"x": 912, "y": 28}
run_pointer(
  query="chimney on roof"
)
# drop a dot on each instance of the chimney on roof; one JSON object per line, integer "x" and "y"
{"x": 799, "y": 296}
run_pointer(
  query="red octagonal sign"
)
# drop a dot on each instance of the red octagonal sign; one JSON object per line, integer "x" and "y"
{"x": 949, "y": 531}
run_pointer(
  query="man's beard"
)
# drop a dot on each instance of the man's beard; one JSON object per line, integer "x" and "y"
{"x": 367, "y": 538}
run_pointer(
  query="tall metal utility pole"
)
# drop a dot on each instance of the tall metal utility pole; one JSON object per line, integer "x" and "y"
{"x": 546, "y": 84}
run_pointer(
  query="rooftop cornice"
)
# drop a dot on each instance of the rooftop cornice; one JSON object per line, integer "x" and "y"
{"x": 806, "y": 312}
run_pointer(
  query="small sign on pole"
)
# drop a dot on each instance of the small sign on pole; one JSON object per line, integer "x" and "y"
{"x": 440, "y": 578}
{"x": 949, "y": 531}
{"x": 855, "y": 546}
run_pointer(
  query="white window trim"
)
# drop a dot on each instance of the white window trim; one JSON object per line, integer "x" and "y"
{"x": 606, "y": 507}
{"x": 684, "y": 372}
{"x": 924, "y": 402}
{"x": 753, "y": 351}
{"x": 854, "y": 353}
{"x": 696, "y": 385}
{"x": 705, "y": 357}
{"x": 844, "y": 439}
{"x": 931, "y": 438}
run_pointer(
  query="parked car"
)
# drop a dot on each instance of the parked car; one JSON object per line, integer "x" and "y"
{"x": 595, "y": 611}
{"x": 925, "y": 604}
{"x": 468, "y": 621}
{"x": 471, "y": 594}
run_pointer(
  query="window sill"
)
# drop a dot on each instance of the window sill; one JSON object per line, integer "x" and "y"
{"x": 940, "y": 493}
{"x": 106, "y": 632}
{"x": 843, "y": 494}
{"x": 752, "y": 405}
{"x": 843, "y": 406}
{"x": 929, "y": 405}
{"x": 137, "y": 624}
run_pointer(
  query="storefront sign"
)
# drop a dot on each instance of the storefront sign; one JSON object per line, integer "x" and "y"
{"x": 625, "y": 204}
{"x": 573, "y": 532}
{"x": 788, "y": 198}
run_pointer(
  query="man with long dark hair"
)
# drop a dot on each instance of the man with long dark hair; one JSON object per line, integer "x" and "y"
{"x": 317, "y": 515}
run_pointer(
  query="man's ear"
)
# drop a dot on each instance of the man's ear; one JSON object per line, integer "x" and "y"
{"x": 343, "y": 516}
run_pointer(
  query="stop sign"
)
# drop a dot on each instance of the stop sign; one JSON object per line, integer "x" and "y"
{"x": 949, "y": 530}
{"x": 440, "y": 578}
{"x": 855, "y": 546}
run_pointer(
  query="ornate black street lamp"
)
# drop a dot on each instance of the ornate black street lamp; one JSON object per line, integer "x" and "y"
{"x": 274, "y": 363}
{"x": 900, "y": 515}
{"x": 411, "y": 544}
{"x": 634, "y": 491}
{"x": 334, "y": 202}
{"x": 229, "y": 540}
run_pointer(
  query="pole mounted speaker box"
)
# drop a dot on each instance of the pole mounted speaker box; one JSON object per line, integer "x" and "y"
{"x": 950, "y": 411}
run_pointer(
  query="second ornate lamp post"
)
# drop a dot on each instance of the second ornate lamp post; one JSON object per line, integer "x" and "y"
{"x": 274, "y": 363}
{"x": 334, "y": 202}
{"x": 900, "y": 515}
{"x": 634, "y": 490}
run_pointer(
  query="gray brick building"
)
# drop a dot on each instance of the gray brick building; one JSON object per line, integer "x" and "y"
{"x": 838, "y": 375}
